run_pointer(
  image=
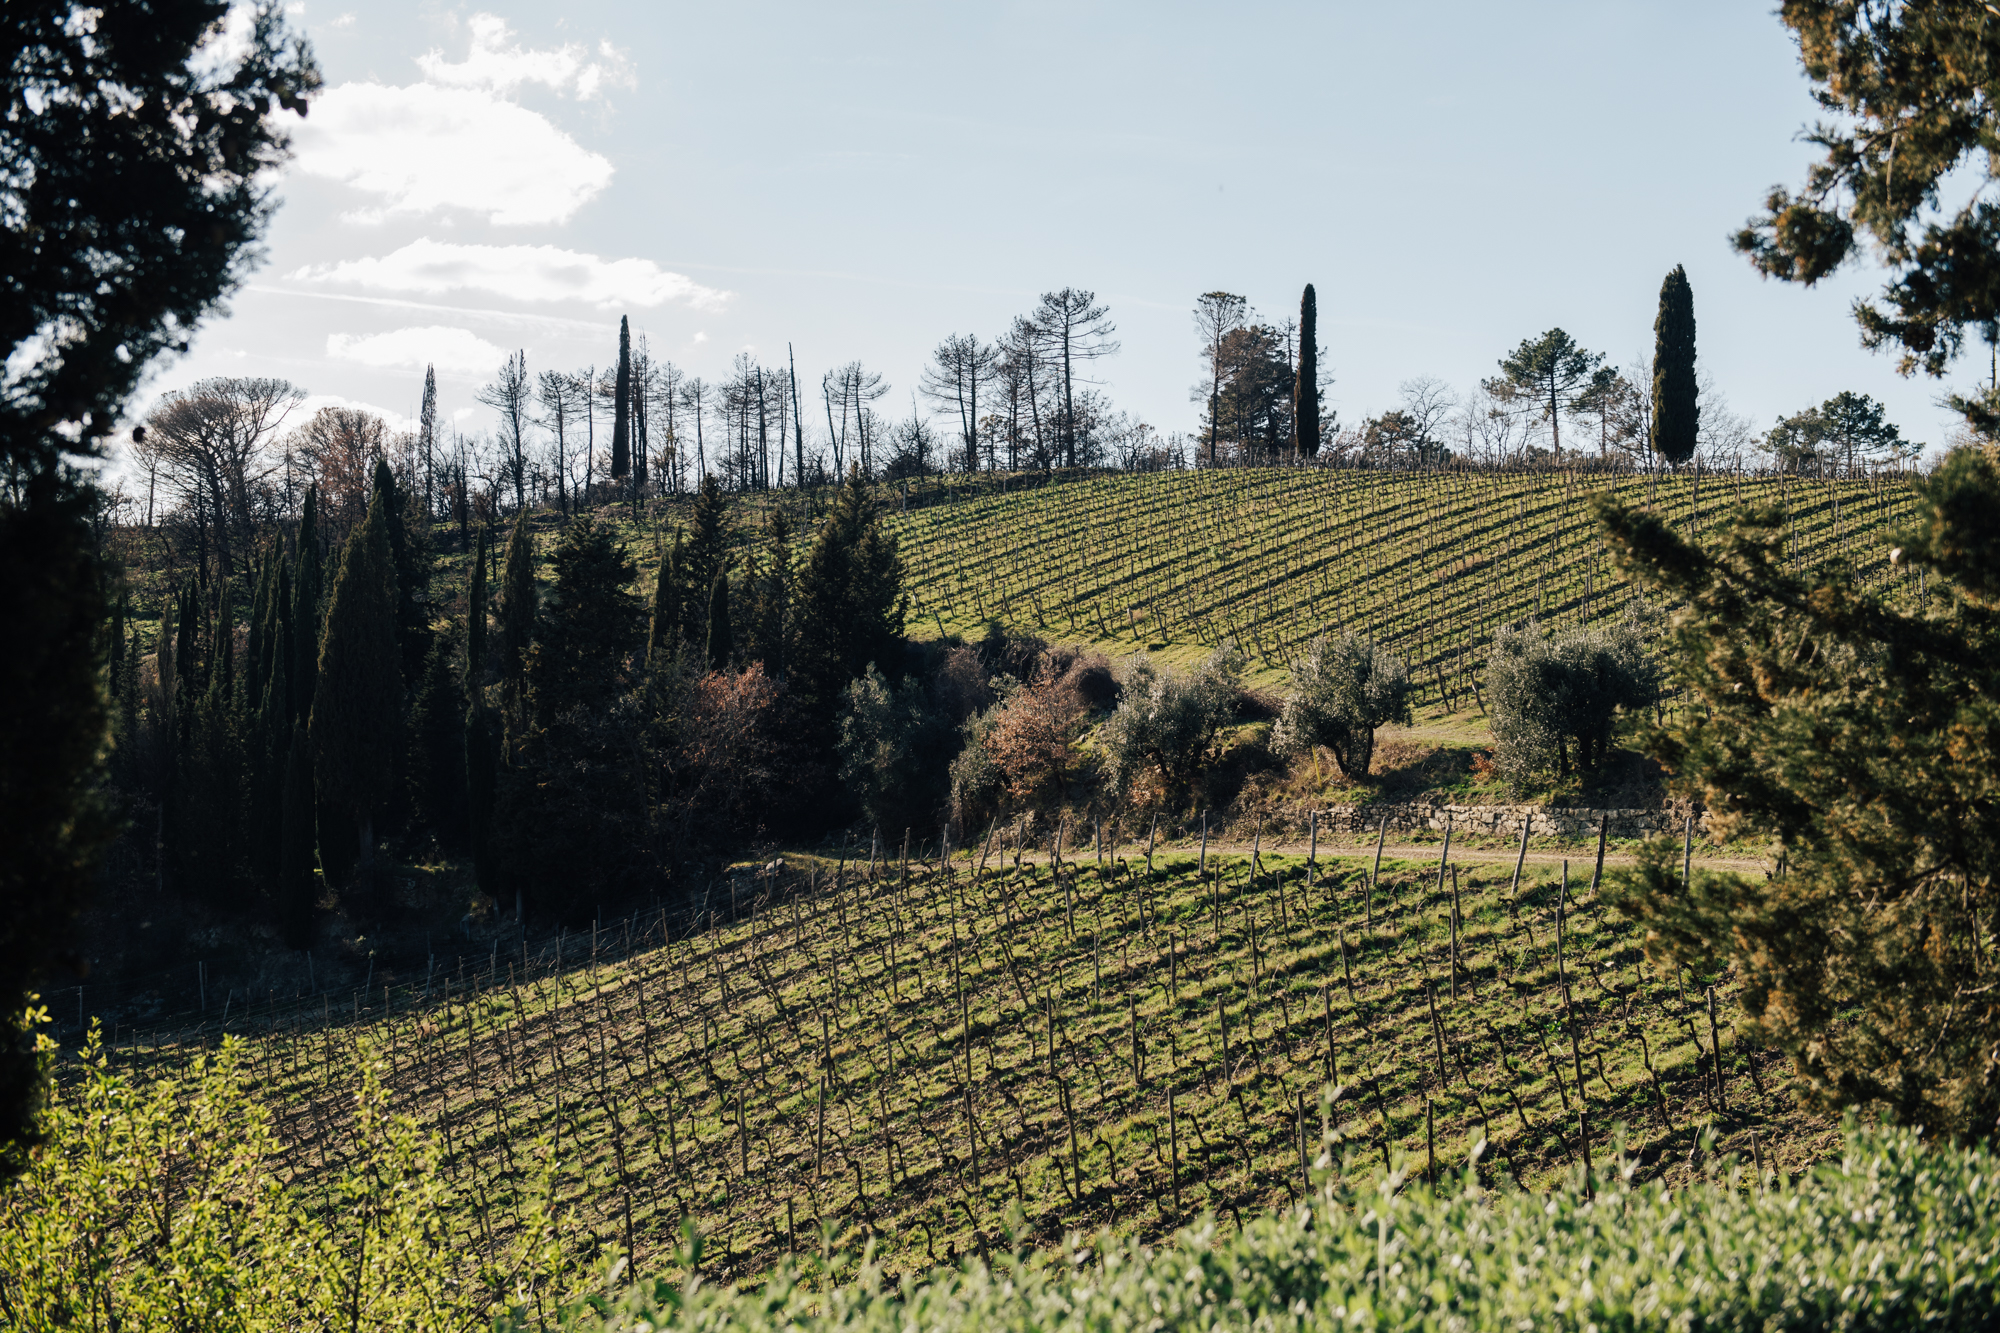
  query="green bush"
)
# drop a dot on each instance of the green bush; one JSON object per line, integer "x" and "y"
{"x": 1168, "y": 721}
{"x": 1341, "y": 692}
{"x": 1550, "y": 691}
{"x": 1896, "y": 1235}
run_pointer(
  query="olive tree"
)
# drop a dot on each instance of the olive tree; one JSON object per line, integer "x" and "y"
{"x": 1549, "y": 689}
{"x": 1168, "y": 721}
{"x": 1341, "y": 691}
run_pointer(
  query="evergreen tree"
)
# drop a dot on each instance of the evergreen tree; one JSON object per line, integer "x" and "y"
{"x": 437, "y": 747}
{"x": 589, "y": 622}
{"x": 721, "y": 644}
{"x": 621, "y": 404}
{"x": 517, "y": 607}
{"x": 1305, "y": 391}
{"x": 475, "y": 620}
{"x": 700, "y": 561}
{"x": 1857, "y": 725}
{"x": 297, "y": 889}
{"x": 1544, "y": 374}
{"x": 357, "y": 704}
{"x": 663, "y": 633}
{"x": 482, "y": 764}
{"x": 1674, "y": 389}
{"x": 306, "y": 622}
{"x": 771, "y": 579}
{"x": 849, "y": 608}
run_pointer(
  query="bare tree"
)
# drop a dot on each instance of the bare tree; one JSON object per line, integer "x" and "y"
{"x": 211, "y": 442}
{"x": 1216, "y": 316}
{"x": 959, "y": 366}
{"x": 512, "y": 396}
{"x": 694, "y": 400}
{"x": 337, "y": 448}
{"x": 665, "y": 408}
{"x": 1076, "y": 329}
{"x": 855, "y": 390}
{"x": 564, "y": 399}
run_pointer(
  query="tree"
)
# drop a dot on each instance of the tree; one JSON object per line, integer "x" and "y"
{"x": 1077, "y": 329}
{"x": 517, "y": 606}
{"x": 1216, "y": 316}
{"x": 565, "y": 399}
{"x": 411, "y": 559}
{"x": 959, "y": 366}
{"x": 588, "y": 625}
{"x": 663, "y": 631}
{"x": 850, "y": 604}
{"x": 1855, "y": 726}
{"x": 1305, "y": 389}
{"x": 298, "y": 888}
{"x": 306, "y": 618}
{"x": 1608, "y": 397}
{"x": 1257, "y": 385}
{"x": 338, "y": 448}
{"x": 427, "y": 442}
{"x": 212, "y": 446}
{"x": 1551, "y": 690}
{"x": 510, "y": 394}
{"x": 699, "y": 563}
{"x": 135, "y": 186}
{"x": 1341, "y": 692}
{"x": 1676, "y": 417}
{"x": 621, "y": 404}
{"x": 1545, "y": 373}
{"x": 1168, "y": 721}
{"x": 356, "y": 708}
{"x": 1917, "y": 92}
{"x": 721, "y": 642}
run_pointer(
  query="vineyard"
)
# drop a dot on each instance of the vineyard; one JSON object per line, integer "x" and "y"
{"x": 1427, "y": 562}
{"x": 939, "y": 1057}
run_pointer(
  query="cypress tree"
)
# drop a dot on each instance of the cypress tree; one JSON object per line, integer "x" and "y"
{"x": 406, "y": 550}
{"x": 223, "y": 669}
{"x": 589, "y": 624}
{"x": 256, "y": 667}
{"x": 719, "y": 645}
{"x": 664, "y": 632}
{"x": 517, "y": 606}
{"x": 355, "y": 706}
{"x": 621, "y": 404}
{"x": 1674, "y": 413}
{"x": 482, "y": 762}
{"x": 437, "y": 746}
{"x": 700, "y": 560}
{"x": 1305, "y": 391}
{"x": 475, "y": 619}
{"x": 297, "y": 890}
{"x": 305, "y": 610}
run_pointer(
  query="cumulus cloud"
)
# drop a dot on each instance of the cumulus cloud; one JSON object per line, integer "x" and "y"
{"x": 496, "y": 66}
{"x": 523, "y": 272}
{"x": 454, "y": 351}
{"x": 425, "y": 148}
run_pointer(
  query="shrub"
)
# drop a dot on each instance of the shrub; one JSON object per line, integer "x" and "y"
{"x": 1168, "y": 721}
{"x": 894, "y": 748}
{"x": 1549, "y": 689}
{"x": 1032, "y": 734}
{"x": 1896, "y": 1235}
{"x": 1341, "y": 692}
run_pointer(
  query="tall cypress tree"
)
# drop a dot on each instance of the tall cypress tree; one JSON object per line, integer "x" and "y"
{"x": 406, "y": 549}
{"x": 297, "y": 889}
{"x": 357, "y": 701}
{"x": 1674, "y": 414}
{"x": 517, "y": 608}
{"x": 475, "y": 619}
{"x": 720, "y": 643}
{"x": 305, "y": 610}
{"x": 1305, "y": 390}
{"x": 482, "y": 752}
{"x": 700, "y": 560}
{"x": 663, "y": 635}
{"x": 621, "y": 404}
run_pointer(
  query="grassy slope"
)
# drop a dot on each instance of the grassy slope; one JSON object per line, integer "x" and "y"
{"x": 687, "y": 1081}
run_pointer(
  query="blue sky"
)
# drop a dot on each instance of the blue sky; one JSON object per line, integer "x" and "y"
{"x": 859, "y": 181}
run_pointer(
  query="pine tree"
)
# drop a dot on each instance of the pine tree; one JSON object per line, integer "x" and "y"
{"x": 297, "y": 889}
{"x": 475, "y": 620}
{"x": 517, "y": 608}
{"x": 306, "y": 622}
{"x": 700, "y": 561}
{"x": 849, "y": 608}
{"x": 1305, "y": 391}
{"x": 621, "y": 404}
{"x": 357, "y": 702}
{"x": 589, "y": 622}
{"x": 1674, "y": 413}
{"x": 720, "y": 643}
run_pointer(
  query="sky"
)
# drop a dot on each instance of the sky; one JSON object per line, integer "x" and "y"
{"x": 858, "y": 181}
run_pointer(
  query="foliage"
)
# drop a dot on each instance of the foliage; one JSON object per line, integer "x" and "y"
{"x": 1168, "y": 720}
{"x": 356, "y": 713}
{"x": 1305, "y": 385}
{"x": 1676, "y": 421}
{"x": 1342, "y": 690}
{"x": 1895, "y": 1235}
{"x": 166, "y": 1206}
{"x": 589, "y": 623}
{"x": 1544, "y": 375}
{"x": 850, "y": 605}
{"x": 1550, "y": 688}
{"x": 519, "y": 599}
{"x": 1911, "y": 95}
{"x": 895, "y": 749}
{"x": 1864, "y": 736}
{"x": 1834, "y": 433}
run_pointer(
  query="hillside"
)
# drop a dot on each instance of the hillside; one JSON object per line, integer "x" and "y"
{"x": 913, "y": 1055}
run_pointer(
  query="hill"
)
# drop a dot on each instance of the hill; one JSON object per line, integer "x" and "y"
{"x": 936, "y": 1058}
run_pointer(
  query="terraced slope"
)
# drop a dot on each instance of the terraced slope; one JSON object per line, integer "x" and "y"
{"x": 1430, "y": 562}
{"x": 933, "y": 1057}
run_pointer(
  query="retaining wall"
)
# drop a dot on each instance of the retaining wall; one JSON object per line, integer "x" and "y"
{"x": 1507, "y": 820}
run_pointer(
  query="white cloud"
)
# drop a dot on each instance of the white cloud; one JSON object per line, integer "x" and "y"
{"x": 425, "y": 148}
{"x": 523, "y": 272}
{"x": 453, "y": 351}
{"x": 493, "y": 65}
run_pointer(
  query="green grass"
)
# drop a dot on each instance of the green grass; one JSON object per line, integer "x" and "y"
{"x": 833, "y": 1060}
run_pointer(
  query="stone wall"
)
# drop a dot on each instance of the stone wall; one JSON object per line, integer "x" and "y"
{"x": 1505, "y": 820}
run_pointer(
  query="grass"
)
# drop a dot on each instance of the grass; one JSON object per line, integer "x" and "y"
{"x": 910, "y": 1058}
